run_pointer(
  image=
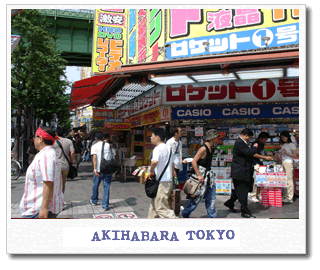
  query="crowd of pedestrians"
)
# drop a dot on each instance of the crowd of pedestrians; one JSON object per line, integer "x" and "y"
{"x": 51, "y": 155}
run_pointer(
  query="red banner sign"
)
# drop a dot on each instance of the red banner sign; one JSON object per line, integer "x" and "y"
{"x": 262, "y": 90}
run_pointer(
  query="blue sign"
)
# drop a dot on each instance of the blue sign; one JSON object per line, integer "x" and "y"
{"x": 113, "y": 120}
{"x": 237, "y": 41}
{"x": 237, "y": 111}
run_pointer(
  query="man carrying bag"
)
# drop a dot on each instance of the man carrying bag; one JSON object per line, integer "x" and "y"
{"x": 161, "y": 165}
{"x": 101, "y": 151}
{"x": 65, "y": 152}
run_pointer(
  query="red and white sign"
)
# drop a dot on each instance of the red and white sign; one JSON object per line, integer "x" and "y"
{"x": 144, "y": 102}
{"x": 165, "y": 113}
{"x": 199, "y": 131}
{"x": 261, "y": 90}
{"x": 126, "y": 215}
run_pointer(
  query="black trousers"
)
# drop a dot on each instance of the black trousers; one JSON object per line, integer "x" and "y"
{"x": 240, "y": 192}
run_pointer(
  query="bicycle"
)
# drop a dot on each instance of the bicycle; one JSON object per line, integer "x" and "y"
{"x": 15, "y": 169}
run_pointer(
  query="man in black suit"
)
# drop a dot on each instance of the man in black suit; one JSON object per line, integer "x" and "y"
{"x": 242, "y": 173}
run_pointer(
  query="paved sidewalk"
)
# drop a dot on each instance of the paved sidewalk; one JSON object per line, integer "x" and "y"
{"x": 128, "y": 200}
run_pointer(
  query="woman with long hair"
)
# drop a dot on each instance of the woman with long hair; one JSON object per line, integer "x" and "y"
{"x": 288, "y": 153}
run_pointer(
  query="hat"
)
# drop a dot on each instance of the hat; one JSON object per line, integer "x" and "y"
{"x": 211, "y": 134}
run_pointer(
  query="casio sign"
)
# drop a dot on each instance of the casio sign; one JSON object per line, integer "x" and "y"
{"x": 241, "y": 111}
{"x": 194, "y": 112}
{"x": 285, "y": 110}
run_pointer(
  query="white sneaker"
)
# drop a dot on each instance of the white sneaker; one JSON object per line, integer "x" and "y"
{"x": 93, "y": 204}
{"x": 285, "y": 200}
{"x": 253, "y": 199}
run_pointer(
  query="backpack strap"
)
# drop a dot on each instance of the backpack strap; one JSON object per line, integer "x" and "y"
{"x": 63, "y": 152}
{"x": 165, "y": 168}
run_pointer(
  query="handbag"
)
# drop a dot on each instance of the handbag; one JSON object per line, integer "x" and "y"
{"x": 152, "y": 185}
{"x": 192, "y": 186}
{"x": 73, "y": 172}
{"x": 108, "y": 166}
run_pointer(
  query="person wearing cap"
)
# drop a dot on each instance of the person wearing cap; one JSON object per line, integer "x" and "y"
{"x": 202, "y": 166}
{"x": 43, "y": 196}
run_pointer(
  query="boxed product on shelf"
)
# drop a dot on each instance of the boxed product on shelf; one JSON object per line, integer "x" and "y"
{"x": 261, "y": 180}
{"x": 278, "y": 168}
{"x": 221, "y": 174}
{"x": 262, "y": 169}
{"x": 228, "y": 173}
{"x": 223, "y": 186}
{"x": 271, "y": 179}
{"x": 281, "y": 179}
{"x": 215, "y": 162}
{"x": 222, "y": 162}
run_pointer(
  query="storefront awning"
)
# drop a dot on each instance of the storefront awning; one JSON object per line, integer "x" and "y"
{"x": 97, "y": 90}
{"x": 87, "y": 91}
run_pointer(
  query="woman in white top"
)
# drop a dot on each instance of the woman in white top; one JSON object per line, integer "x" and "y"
{"x": 288, "y": 153}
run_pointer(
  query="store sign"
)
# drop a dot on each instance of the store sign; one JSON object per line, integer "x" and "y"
{"x": 261, "y": 90}
{"x": 165, "y": 113}
{"x": 103, "y": 113}
{"x": 109, "y": 39}
{"x": 229, "y": 30}
{"x": 151, "y": 117}
{"x": 144, "y": 102}
{"x": 237, "y": 111}
{"x": 198, "y": 131}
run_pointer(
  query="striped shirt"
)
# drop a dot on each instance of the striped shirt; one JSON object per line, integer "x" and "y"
{"x": 44, "y": 167}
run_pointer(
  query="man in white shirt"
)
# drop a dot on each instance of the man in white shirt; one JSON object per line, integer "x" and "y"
{"x": 176, "y": 147}
{"x": 98, "y": 177}
{"x": 159, "y": 206}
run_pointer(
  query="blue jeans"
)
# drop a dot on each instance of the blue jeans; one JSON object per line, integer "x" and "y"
{"x": 106, "y": 178}
{"x": 210, "y": 203}
{"x": 87, "y": 156}
{"x": 50, "y": 215}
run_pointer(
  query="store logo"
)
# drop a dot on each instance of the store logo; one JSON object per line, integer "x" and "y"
{"x": 194, "y": 112}
{"x": 241, "y": 111}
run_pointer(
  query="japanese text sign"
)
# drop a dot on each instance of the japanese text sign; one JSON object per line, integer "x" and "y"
{"x": 101, "y": 114}
{"x": 144, "y": 102}
{"x": 229, "y": 30}
{"x": 109, "y": 40}
{"x": 261, "y": 90}
{"x": 150, "y": 117}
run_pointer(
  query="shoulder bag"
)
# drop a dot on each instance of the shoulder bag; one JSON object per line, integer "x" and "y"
{"x": 108, "y": 166}
{"x": 152, "y": 185}
{"x": 73, "y": 172}
{"x": 193, "y": 185}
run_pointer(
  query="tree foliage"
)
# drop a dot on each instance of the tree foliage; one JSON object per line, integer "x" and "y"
{"x": 37, "y": 73}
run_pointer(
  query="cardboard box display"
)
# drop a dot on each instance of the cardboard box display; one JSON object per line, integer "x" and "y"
{"x": 281, "y": 179}
{"x": 271, "y": 180}
{"x": 261, "y": 180}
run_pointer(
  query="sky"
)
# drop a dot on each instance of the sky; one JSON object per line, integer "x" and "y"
{"x": 73, "y": 75}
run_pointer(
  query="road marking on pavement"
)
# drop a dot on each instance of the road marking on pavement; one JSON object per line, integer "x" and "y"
{"x": 117, "y": 215}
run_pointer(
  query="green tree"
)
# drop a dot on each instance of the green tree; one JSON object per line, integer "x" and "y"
{"x": 38, "y": 88}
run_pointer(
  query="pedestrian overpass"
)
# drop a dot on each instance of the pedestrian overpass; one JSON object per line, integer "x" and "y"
{"x": 75, "y": 27}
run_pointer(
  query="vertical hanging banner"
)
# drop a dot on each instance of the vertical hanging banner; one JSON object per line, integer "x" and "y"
{"x": 142, "y": 35}
{"x": 110, "y": 39}
{"x": 155, "y": 35}
{"x": 132, "y": 32}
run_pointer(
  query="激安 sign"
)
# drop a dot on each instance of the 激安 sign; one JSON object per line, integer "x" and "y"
{"x": 237, "y": 111}
{"x": 261, "y": 90}
{"x": 109, "y": 39}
